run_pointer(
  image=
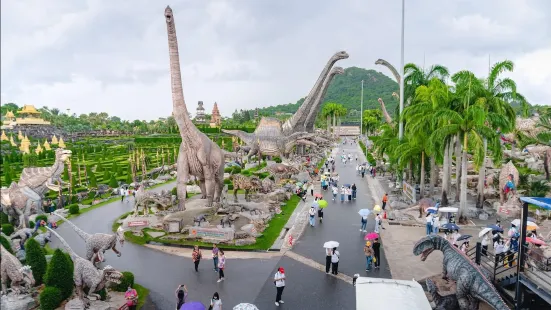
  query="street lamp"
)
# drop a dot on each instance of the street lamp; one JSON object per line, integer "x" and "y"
{"x": 401, "y": 124}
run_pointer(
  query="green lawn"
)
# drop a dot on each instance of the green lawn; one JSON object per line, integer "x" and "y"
{"x": 264, "y": 242}
{"x": 142, "y": 294}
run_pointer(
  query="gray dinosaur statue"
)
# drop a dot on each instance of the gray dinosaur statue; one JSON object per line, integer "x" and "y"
{"x": 269, "y": 145}
{"x": 43, "y": 238}
{"x": 33, "y": 184}
{"x": 398, "y": 79}
{"x": 297, "y": 122}
{"x": 316, "y": 106}
{"x": 280, "y": 170}
{"x": 97, "y": 244}
{"x": 198, "y": 156}
{"x": 22, "y": 235}
{"x": 86, "y": 275}
{"x": 447, "y": 302}
{"x": 21, "y": 277}
{"x": 470, "y": 280}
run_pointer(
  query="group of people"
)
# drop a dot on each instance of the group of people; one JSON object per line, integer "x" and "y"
{"x": 218, "y": 259}
{"x": 329, "y": 180}
{"x": 330, "y": 164}
{"x": 348, "y": 193}
{"x": 372, "y": 251}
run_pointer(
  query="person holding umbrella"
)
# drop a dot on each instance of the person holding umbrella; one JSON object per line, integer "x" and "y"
{"x": 330, "y": 248}
{"x": 465, "y": 245}
{"x": 368, "y": 251}
{"x": 428, "y": 217}
{"x": 322, "y": 204}
{"x": 484, "y": 234}
{"x": 364, "y": 222}
{"x": 335, "y": 257}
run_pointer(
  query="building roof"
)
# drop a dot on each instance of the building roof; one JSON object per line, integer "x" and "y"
{"x": 28, "y": 109}
{"x": 10, "y": 114}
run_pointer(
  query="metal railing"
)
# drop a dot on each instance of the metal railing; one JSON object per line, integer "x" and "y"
{"x": 537, "y": 267}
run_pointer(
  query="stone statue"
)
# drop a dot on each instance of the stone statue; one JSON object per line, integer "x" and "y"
{"x": 268, "y": 145}
{"x": 198, "y": 156}
{"x": 199, "y": 219}
{"x": 388, "y": 119}
{"x": 508, "y": 179}
{"x": 316, "y": 106}
{"x": 21, "y": 277}
{"x": 246, "y": 183}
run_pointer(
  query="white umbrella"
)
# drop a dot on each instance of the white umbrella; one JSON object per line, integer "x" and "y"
{"x": 364, "y": 212}
{"x": 528, "y": 223}
{"x": 331, "y": 244}
{"x": 484, "y": 231}
{"x": 245, "y": 306}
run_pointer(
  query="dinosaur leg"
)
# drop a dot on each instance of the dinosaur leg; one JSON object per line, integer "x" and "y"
{"x": 182, "y": 178}
{"x": 235, "y": 189}
{"x": 4, "y": 282}
{"x": 209, "y": 183}
{"x": 462, "y": 297}
{"x": 202, "y": 187}
{"x": 219, "y": 184}
{"x": 114, "y": 248}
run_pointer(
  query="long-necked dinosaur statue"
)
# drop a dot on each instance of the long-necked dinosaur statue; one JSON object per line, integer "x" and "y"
{"x": 388, "y": 119}
{"x": 199, "y": 156}
{"x": 316, "y": 107}
{"x": 398, "y": 79}
{"x": 297, "y": 122}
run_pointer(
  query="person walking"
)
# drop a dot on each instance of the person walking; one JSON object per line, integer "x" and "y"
{"x": 121, "y": 191}
{"x": 335, "y": 192}
{"x": 311, "y": 189}
{"x": 436, "y": 224}
{"x": 327, "y": 260}
{"x": 215, "y": 302}
{"x": 428, "y": 227}
{"x": 368, "y": 251}
{"x": 196, "y": 257}
{"x": 357, "y": 169}
{"x": 377, "y": 223}
{"x": 348, "y": 192}
{"x": 181, "y": 295}
{"x": 484, "y": 243}
{"x": 279, "y": 280}
{"x": 385, "y": 200}
{"x": 364, "y": 223}
{"x": 363, "y": 172}
{"x": 356, "y": 157}
{"x": 376, "y": 253}
{"x": 312, "y": 216}
{"x": 335, "y": 256}
{"x": 354, "y": 191}
{"x": 221, "y": 265}
{"x": 343, "y": 192}
{"x": 215, "y": 257}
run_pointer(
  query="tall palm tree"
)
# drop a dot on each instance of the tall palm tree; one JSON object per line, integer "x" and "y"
{"x": 339, "y": 112}
{"x": 328, "y": 111}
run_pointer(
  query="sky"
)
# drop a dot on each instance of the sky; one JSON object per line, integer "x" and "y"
{"x": 112, "y": 56}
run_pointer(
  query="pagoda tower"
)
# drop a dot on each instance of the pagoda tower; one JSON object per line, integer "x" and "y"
{"x": 20, "y": 136}
{"x": 9, "y": 117}
{"x": 25, "y": 144}
{"x": 38, "y": 149}
{"x": 47, "y": 146}
{"x": 12, "y": 142}
{"x": 200, "y": 113}
{"x": 61, "y": 143}
{"x": 29, "y": 115}
{"x": 4, "y": 137}
{"x": 54, "y": 140}
{"x": 215, "y": 119}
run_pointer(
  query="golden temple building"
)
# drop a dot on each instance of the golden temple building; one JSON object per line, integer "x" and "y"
{"x": 9, "y": 117}
{"x": 29, "y": 115}
{"x": 20, "y": 136}
{"x": 61, "y": 143}
{"x": 38, "y": 149}
{"x": 4, "y": 137}
{"x": 47, "y": 146}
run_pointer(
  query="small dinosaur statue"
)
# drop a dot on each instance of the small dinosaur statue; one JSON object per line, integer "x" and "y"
{"x": 86, "y": 275}
{"x": 22, "y": 234}
{"x": 447, "y": 302}
{"x": 97, "y": 244}
{"x": 245, "y": 183}
{"x": 43, "y": 238}
{"x": 12, "y": 269}
{"x": 470, "y": 280}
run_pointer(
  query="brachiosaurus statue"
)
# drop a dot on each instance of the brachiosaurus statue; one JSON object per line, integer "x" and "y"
{"x": 385, "y": 113}
{"x": 311, "y": 119}
{"x": 297, "y": 122}
{"x": 390, "y": 67}
{"x": 199, "y": 156}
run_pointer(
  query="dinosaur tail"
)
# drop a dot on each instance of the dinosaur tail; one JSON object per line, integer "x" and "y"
{"x": 432, "y": 289}
{"x": 485, "y": 291}
{"x": 230, "y": 154}
{"x": 64, "y": 243}
{"x": 79, "y": 231}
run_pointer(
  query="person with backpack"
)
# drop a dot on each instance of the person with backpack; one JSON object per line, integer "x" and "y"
{"x": 368, "y": 251}
{"x": 279, "y": 281}
{"x": 196, "y": 257}
{"x": 181, "y": 295}
{"x": 335, "y": 192}
{"x": 335, "y": 261}
{"x": 215, "y": 302}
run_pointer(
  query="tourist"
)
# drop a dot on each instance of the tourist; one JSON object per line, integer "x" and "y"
{"x": 464, "y": 247}
{"x": 354, "y": 191}
{"x": 455, "y": 236}
{"x": 279, "y": 280}
{"x": 121, "y": 190}
{"x": 336, "y": 179}
{"x": 356, "y": 157}
{"x": 499, "y": 248}
{"x": 429, "y": 223}
{"x": 484, "y": 242}
{"x": 357, "y": 169}
{"x": 221, "y": 265}
{"x": 364, "y": 223}
{"x": 312, "y": 216}
{"x": 435, "y": 224}
{"x": 348, "y": 194}
{"x": 376, "y": 253}
{"x": 363, "y": 171}
{"x": 378, "y": 223}
{"x": 181, "y": 295}
{"x": 327, "y": 260}
{"x": 368, "y": 251}
{"x": 335, "y": 192}
{"x": 311, "y": 189}
{"x": 374, "y": 172}
{"x": 320, "y": 214}
{"x": 215, "y": 257}
{"x": 343, "y": 192}
{"x": 196, "y": 257}
{"x": 385, "y": 200}
{"x": 131, "y": 297}
{"x": 215, "y": 302}
{"x": 327, "y": 164}
{"x": 349, "y": 157}
{"x": 335, "y": 255}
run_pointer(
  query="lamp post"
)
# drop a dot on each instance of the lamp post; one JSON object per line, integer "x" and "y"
{"x": 401, "y": 124}
{"x": 362, "y": 111}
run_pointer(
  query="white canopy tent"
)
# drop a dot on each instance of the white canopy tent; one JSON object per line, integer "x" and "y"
{"x": 374, "y": 293}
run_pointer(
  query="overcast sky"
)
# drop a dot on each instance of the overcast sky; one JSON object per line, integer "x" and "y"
{"x": 112, "y": 56}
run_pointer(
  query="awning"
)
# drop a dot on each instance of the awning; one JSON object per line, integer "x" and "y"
{"x": 542, "y": 202}
{"x": 375, "y": 293}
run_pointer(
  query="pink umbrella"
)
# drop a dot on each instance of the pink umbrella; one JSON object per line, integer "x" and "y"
{"x": 535, "y": 241}
{"x": 371, "y": 236}
{"x": 318, "y": 195}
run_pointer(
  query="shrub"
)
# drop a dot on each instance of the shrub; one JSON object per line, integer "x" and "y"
{"x": 7, "y": 229}
{"x": 102, "y": 294}
{"x": 126, "y": 281}
{"x": 59, "y": 274}
{"x": 236, "y": 169}
{"x": 50, "y": 298}
{"x": 41, "y": 217}
{"x": 6, "y": 244}
{"x": 113, "y": 182}
{"x": 92, "y": 180}
{"x": 228, "y": 169}
{"x": 31, "y": 224}
{"x": 34, "y": 257}
{"x": 99, "y": 168}
{"x": 174, "y": 191}
{"x": 74, "y": 209}
{"x": 4, "y": 218}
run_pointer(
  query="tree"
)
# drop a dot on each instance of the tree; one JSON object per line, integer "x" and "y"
{"x": 106, "y": 176}
{"x": 371, "y": 120}
{"x": 59, "y": 274}
{"x": 92, "y": 180}
{"x": 113, "y": 182}
{"x": 34, "y": 257}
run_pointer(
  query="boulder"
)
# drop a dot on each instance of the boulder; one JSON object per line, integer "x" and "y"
{"x": 303, "y": 176}
{"x": 250, "y": 229}
{"x": 17, "y": 302}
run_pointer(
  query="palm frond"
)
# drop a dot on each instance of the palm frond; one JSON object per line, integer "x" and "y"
{"x": 497, "y": 69}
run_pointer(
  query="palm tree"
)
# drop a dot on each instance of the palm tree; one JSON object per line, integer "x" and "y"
{"x": 339, "y": 112}
{"x": 416, "y": 76}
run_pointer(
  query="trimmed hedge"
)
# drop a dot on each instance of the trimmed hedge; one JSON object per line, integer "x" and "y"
{"x": 34, "y": 257}
{"x": 126, "y": 281}
{"x": 7, "y": 229}
{"x": 59, "y": 274}
{"x": 41, "y": 217}
{"x": 50, "y": 298}
{"x": 6, "y": 244}
{"x": 74, "y": 209}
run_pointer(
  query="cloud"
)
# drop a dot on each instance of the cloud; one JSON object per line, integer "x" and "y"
{"x": 112, "y": 56}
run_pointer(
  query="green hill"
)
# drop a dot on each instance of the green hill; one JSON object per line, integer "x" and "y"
{"x": 346, "y": 90}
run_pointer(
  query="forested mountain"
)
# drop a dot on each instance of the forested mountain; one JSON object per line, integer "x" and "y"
{"x": 345, "y": 89}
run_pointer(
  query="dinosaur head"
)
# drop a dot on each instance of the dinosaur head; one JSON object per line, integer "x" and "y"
{"x": 425, "y": 246}
{"x": 112, "y": 275}
{"x": 380, "y": 62}
{"x": 168, "y": 15}
{"x": 62, "y": 154}
{"x": 340, "y": 55}
{"x": 27, "y": 276}
{"x": 338, "y": 70}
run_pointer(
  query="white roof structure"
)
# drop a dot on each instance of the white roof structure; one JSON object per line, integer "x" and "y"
{"x": 375, "y": 293}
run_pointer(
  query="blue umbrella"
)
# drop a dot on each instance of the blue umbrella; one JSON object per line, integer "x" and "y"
{"x": 464, "y": 237}
{"x": 450, "y": 226}
{"x": 495, "y": 227}
{"x": 432, "y": 211}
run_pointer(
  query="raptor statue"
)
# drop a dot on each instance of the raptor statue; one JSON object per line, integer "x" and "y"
{"x": 447, "y": 302}
{"x": 471, "y": 282}
{"x": 198, "y": 156}
{"x": 97, "y": 244}
{"x": 86, "y": 275}
{"x": 33, "y": 184}
{"x": 21, "y": 277}
{"x": 280, "y": 170}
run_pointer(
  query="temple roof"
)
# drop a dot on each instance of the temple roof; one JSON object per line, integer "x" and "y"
{"x": 9, "y": 114}
{"x": 28, "y": 109}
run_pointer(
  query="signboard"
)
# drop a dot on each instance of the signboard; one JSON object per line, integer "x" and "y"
{"x": 409, "y": 191}
{"x": 504, "y": 210}
{"x": 174, "y": 227}
{"x": 138, "y": 223}
{"x": 214, "y": 233}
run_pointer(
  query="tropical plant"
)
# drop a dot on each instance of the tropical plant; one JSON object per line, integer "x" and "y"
{"x": 34, "y": 257}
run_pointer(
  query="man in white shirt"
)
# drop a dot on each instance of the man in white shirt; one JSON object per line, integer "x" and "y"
{"x": 484, "y": 242}
{"x": 429, "y": 224}
{"x": 279, "y": 280}
{"x": 377, "y": 223}
{"x": 312, "y": 216}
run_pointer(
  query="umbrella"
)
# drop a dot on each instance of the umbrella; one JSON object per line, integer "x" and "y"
{"x": 331, "y": 244}
{"x": 346, "y": 185}
{"x": 450, "y": 226}
{"x": 298, "y": 184}
{"x": 377, "y": 208}
{"x": 364, "y": 212}
{"x": 529, "y": 225}
{"x": 322, "y": 203}
{"x": 535, "y": 241}
{"x": 432, "y": 211}
{"x": 193, "y": 305}
{"x": 495, "y": 227}
{"x": 484, "y": 231}
{"x": 432, "y": 208}
{"x": 245, "y": 306}
{"x": 371, "y": 236}
{"x": 463, "y": 237}
{"x": 318, "y": 195}
{"x": 531, "y": 219}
